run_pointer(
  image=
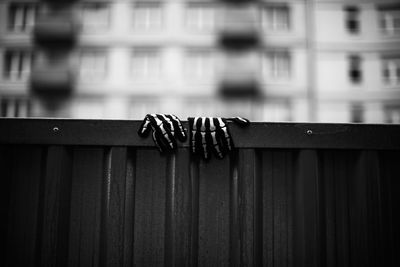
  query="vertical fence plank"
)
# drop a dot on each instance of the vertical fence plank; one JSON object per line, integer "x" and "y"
{"x": 234, "y": 218}
{"x": 5, "y": 193}
{"x": 342, "y": 162}
{"x": 390, "y": 195}
{"x": 259, "y": 249}
{"x": 114, "y": 207}
{"x": 374, "y": 211}
{"x": 248, "y": 172}
{"x": 358, "y": 214}
{"x": 335, "y": 192}
{"x": 194, "y": 220}
{"x": 56, "y": 207}
{"x": 267, "y": 209}
{"x": 307, "y": 244}
{"x": 329, "y": 188}
{"x": 129, "y": 207}
{"x": 277, "y": 176}
{"x": 281, "y": 170}
{"x": 178, "y": 210}
{"x": 150, "y": 204}
{"x": 23, "y": 210}
{"x": 86, "y": 194}
{"x": 214, "y": 212}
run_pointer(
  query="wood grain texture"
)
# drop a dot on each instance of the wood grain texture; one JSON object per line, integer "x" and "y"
{"x": 277, "y": 221}
{"x": 150, "y": 206}
{"x": 117, "y": 215}
{"x": 390, "y": 197}
{"x": 336, "y": 170}
{"x": 214, "y": 213}
{"x": 25, "y": 172}
{"x": 358, "y": 214}
{"x": 307, "y": 246}
{"x": 5, "y": 193}
{"x": 56, "y": 206}
{"x": 129, "y": 207}
{"x": 248, "y": 174}
{"x": 178, "y": 210}
{"x": 194, "y": 216}
{"x": 86, "y": 207}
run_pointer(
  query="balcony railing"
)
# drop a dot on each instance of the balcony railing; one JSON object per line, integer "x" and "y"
{"x": 53, "y": 79}
{"x": 59, "y": 29}
{"x": 239, "y": 74}
{"x": 238, "y": 26}
{"x": 88, "y": 192}
{"x": 239, "y": 90}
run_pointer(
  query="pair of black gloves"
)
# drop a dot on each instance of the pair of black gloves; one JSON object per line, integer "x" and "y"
{"x": 207, "y": 134}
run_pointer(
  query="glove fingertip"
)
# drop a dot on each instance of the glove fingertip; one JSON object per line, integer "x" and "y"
{"x": 140, "y": 133}
{"x": 182, "y": 136}
{"x": 144, "y": 128}
{"x": 241, "y": 121}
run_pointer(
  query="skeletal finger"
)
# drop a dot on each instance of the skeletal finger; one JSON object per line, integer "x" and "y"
{"x": 167, "y": 136}
{"x": 193, "y": 130}
{"x": 203, "y": 130}
{"x": 226, "y": 134}
{"x": 157, "y": 142}
{"x": 180, "y": 131}
{"x": 144, "y": 128}
{"x": 242, "y": 122}
{"x": 198, "y": 138}
{"x": 167, "y": 121}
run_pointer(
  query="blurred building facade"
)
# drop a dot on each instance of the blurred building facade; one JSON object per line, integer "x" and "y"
{"x": 281, "y": 60}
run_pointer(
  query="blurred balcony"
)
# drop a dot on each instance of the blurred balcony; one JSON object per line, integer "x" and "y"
{"x": 52, "y": 78}
{"x": 240, "y": 89}
{"x": 58, "y": 28}
{"x": 239, "y": 75}
{"x": 239, "y": 26}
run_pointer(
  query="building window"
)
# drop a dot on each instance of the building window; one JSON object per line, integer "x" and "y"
{"x": 95, "y": 16}
{"x": 275, "y": 17}
{"x": 352, "y": 19}
{"x": 93, "y": 65}
{"x": 147, "y": 16}
{"x": 17, "y": 64}
{"x": 14, "y": 107}
{"x": 21, "y": 17}
{"x": 391, "y": 70}
{"x": 390, "y": 19}
{"x": 200, "y": 16}
{"x": 357, "y": 113}
{"x": 355, "y": 71}
{"x": 146, "y": 63}
{"x": 199, "y": 63}
{"x": 276, "y": 65}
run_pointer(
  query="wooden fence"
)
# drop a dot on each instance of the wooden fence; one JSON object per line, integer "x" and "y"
{"x": 93, "y": 193}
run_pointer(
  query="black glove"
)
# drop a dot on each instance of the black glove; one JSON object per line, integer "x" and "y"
{"x": 210, "y": 134}
{"x": 165, "y": 127}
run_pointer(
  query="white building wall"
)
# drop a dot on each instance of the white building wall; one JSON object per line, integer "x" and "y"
{"x": 121, "y": 93}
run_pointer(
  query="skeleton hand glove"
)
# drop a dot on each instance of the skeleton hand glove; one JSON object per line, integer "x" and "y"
{"x": 165, "y": 128}
{"x": 210, "y": 134}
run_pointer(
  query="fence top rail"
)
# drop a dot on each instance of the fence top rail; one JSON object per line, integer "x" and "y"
{"x": 257, "y": 135}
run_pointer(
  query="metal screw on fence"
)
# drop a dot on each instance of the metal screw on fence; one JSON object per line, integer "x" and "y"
{"x": 309, "y": 132}
{"x": 56, "y": 129}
